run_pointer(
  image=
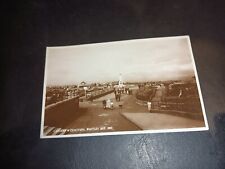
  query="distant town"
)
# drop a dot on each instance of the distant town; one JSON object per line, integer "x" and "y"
{"x": 178, "y": 93}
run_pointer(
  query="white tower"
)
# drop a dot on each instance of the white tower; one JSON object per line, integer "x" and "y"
{"x": 120, "y": 80}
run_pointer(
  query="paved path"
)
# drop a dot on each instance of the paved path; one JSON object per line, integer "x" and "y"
{"x": 152, "y": 121}
{"x": 94, "y": 117}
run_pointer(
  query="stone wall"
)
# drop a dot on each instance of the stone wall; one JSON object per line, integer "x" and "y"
{"x": 62, "y": 113}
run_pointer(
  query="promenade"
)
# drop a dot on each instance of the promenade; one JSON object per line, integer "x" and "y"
{"x": 131, "y": 117}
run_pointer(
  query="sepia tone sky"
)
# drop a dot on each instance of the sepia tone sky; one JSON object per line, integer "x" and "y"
{"x": 137, "y": 60}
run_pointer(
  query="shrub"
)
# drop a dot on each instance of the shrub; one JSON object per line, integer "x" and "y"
{"x": 145, "y": 93}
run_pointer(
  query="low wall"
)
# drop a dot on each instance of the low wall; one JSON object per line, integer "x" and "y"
{"x": 96, "y": 95}
{"x": 101, "y": 94}
{"x": 60, "y": 114}
{"x": 157, "y": 107}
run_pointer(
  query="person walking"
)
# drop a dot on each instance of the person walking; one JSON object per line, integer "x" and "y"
{"x": 119, "y": 95}
{"x": 149, "y": 104}
{"x": 104, "y": 104}
{"x": 115, "y": 93}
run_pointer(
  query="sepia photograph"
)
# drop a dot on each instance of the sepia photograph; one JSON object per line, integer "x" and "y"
{"x": 122, "y": 87}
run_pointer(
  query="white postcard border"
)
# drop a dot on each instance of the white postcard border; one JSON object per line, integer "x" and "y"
{"x": 42, "y": 136}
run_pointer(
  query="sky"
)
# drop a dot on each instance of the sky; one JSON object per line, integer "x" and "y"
{"x": 154, "y": 59}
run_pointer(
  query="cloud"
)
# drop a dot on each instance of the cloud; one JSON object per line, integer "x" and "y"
{"x": 137, "y": 60}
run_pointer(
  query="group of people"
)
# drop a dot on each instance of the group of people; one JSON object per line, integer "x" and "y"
{"x": 117, "y": 93}
{"x": 107, "y": 104}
